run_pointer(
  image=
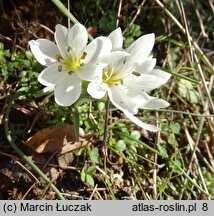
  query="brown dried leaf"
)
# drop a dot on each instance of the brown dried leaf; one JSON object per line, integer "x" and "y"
{"x": 65, "y": 156}
{"x": 53, "y": 138}
{"x": 65, "y": 159}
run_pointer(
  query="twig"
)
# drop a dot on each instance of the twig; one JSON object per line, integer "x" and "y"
{"x": 94, "y": 190}
{"x": 46, "y": 28}
{"x": 135, "y": 17}
{"x": 192, "y": 143}
{"x": 204, "y": 82}
{"x": 211, "y": 5}
{"x": 155, "y": 162}
{"x": 199, "y": 51}
{"x": 118, "y": 13}
{"x": 194, "y": 157}
{"x": 204, "y": 34}
{"x": 28, "y": 171}
{"x": 145, "y": 195}
{"x": 183, "y": 14}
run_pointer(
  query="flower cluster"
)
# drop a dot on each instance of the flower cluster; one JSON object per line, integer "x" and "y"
{"x": 126, "y": 76}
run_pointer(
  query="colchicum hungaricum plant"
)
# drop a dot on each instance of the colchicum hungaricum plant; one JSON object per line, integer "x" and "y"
{"x": 126, "y": 77}
{"x": 128, "y": 80}
{"x": 69, "y": 61}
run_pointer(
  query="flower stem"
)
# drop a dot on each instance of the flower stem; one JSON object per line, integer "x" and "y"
{"x": 67, "y": 13}
{"x": 105, "y": 137}
{"x": 76, "y": 121}
{"x": 20, "y": 153}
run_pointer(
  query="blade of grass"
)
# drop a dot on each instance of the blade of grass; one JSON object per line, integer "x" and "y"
{"x": 19, "y": 152}
{"x": 180, "y": 75}
{"x": 192, "y": 181}
{"x": 185, "y": 113}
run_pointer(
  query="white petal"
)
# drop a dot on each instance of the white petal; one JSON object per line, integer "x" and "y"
{"x": 116, "y": 38}
{"x": 113, "y": 57}
{"x": 141, "y": 124}
{"x": 133, "y": 82}
{"x": 68, "y": 90}
{"x": 77, "y": 38}
{"x": 97, "y": 90}
{"x": 122, "y": 70}
{"x": 61, "y": 38}
{"x": 161, "y": 74}
{"x": 44, "y": 51}
{"x": 145, "y": 82}
{"x": 141, "y": 48}
{"x": 146, "y": 66}
{"x": 155, "y": 103}
{"x": 90, "y": 71}
{"x": 50, "y": 75}
{"x": 97, "y": 48}
{"x": 140, "y": 97}
{"x": 118, "y": 96}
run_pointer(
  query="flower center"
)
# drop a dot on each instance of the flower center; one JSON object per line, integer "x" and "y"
{"x": 108, "y": 76}
{"x": 71, "y": 63}
{"x": 112, "y": 77}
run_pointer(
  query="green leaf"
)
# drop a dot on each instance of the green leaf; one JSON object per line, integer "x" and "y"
{"x": 120, "y": 145}
{"x": 141, "y": 143}
{"x": 172, "y": 57}
{"x": 29, "y": 55}
{"x": 176, "y": 166}
{"x": 83, "y": 175}
{"x": 176, "y": 128}
{"x": 187, "y": 91}
{"x": 91, "y": 170}
{"x": 162, "y": 149}
{"x": 89, "y": 179}
{"x": 135, "y": 134}
{"x": 132, "y": 147}
{"x": 80, "y": 152}
{"x": 94, "y": 155}
{"x": 101, "y": 106}
{"x": 171, "y": 139}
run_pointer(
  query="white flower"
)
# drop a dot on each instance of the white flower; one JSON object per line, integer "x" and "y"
{"x": 69, "y": 61}
{"x": 128, "y": 80}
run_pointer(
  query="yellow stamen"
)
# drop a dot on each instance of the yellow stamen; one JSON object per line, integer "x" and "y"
{"x": 70, "y": 64}
{"x": 108, "y": 76}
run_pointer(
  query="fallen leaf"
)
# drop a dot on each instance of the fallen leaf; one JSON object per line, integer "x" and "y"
{"x": 53, "y": 138}
{"x": 65, "y": 159}
{"x": 65, "y": 155}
